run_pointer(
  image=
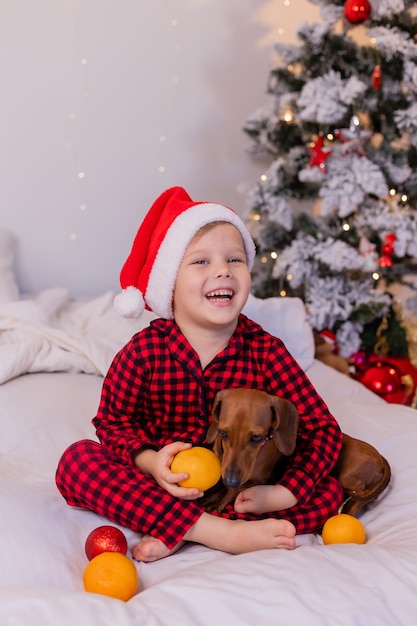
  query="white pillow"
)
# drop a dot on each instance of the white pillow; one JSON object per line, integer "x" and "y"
{"x": 285, "y": 318}
{"x": 8, "y": 286}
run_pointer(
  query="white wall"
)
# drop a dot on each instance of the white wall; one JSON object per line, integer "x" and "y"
{"x": 89, "y": 87}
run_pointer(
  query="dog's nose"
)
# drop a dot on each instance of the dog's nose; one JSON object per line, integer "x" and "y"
{"x": 231, "y": 480}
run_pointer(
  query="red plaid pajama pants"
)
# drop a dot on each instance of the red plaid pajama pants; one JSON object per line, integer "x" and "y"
{"x": 90, "y": 476}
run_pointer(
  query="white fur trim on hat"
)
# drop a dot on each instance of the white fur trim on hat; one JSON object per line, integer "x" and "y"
{"x": 165, "y": 268}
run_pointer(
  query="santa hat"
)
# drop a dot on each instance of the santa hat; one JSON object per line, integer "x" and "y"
{"x": 149, "y": 273}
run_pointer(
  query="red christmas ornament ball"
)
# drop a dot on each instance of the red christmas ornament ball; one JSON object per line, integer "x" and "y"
{"x": 357, "y": 11}
{"x": 381, "y": 378}
{"x": 385, "y": 260}
{"x": 390, "y": 238}
{"x": 387, "y": 248}
{"x": 360, "y": 361}
{"x": 105, "y": 539}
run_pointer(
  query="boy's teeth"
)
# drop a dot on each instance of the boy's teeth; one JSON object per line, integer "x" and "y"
{"x": 221, "y": 293}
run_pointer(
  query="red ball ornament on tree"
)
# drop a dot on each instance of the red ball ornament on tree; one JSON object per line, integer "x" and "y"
{"x": 357, "y": 11}
{"x": 385, "y": 260}
{"x": 382, "y": 379}
{"x": 387, "y": 249}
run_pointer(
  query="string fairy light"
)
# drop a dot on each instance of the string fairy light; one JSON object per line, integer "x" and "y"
{"x": 175, "y": 81}
{"x": 79, "y": 97}
{"x": 80, "y": 100}
{"x": 287, "y": 115}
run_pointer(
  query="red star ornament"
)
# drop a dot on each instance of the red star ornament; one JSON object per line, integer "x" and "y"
{"x": 319, "y": 154}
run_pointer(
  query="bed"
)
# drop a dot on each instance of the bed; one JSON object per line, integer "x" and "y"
{"x": 54, "y": 350}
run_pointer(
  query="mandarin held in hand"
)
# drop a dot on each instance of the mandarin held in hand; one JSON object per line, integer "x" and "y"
{"x": 202, "y": 466}
{"x": 105, "y": 539}
{"x": 111, "y": 574}
{"x": 343, "y": 528}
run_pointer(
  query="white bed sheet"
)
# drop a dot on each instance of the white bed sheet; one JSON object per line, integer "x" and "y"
{"x": 42, "y": 539}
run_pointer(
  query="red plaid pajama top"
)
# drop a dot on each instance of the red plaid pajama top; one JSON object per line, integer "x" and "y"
{"x": 155, "y": 392}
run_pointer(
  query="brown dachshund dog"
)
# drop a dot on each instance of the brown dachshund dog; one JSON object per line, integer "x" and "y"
{"x": 252, "y": 434}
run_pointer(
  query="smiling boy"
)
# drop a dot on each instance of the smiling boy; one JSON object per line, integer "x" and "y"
{"x": 190, "y": 263}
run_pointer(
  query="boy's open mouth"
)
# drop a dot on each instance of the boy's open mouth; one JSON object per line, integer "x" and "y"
{"x": 220, "y": 295}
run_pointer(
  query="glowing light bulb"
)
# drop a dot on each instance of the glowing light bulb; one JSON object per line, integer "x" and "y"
{"x": 264, "y": 177}
{"x": 287, "y": 115}
{"x": 274, "y": 255}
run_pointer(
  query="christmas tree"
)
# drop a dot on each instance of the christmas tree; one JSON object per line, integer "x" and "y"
{"x": 335, "y": 214}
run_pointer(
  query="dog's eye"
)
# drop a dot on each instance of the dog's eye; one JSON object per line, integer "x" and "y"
{"x": 223, "y": 434}
{"x": 256, "y": 439}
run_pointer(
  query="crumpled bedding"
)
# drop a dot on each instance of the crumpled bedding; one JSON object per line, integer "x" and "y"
{"x": 55, "y": 332}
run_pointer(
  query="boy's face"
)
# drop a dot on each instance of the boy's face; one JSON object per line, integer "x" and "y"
{"x": 213, "y": 280}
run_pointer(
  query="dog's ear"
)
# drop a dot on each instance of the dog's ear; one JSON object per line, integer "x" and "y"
{"x": 284, "y": 424}
{"x": 215, "y": 413}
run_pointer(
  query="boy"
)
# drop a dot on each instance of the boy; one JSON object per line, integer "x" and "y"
{"x": 190, "y": 263}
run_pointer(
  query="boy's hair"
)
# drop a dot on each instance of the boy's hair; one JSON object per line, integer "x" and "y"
{"x": 149, "y": 273}
{"x": 206, "y": 228}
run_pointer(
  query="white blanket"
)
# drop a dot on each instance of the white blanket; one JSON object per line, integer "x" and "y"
{"x": 55, "y": 333}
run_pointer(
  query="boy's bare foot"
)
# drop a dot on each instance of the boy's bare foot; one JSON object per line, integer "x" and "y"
{"x": 239, "y": 536}
{"x": 234, "y": 536}
{"x": 152, "y": 549}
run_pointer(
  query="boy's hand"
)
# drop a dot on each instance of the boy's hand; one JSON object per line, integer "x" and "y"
{"x": 158, "y": 465}
{"x": 264, "y": 499}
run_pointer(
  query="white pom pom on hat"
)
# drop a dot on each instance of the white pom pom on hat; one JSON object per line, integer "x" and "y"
{"x": 149, "y": 273}
{"x": 130, "y": 302}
